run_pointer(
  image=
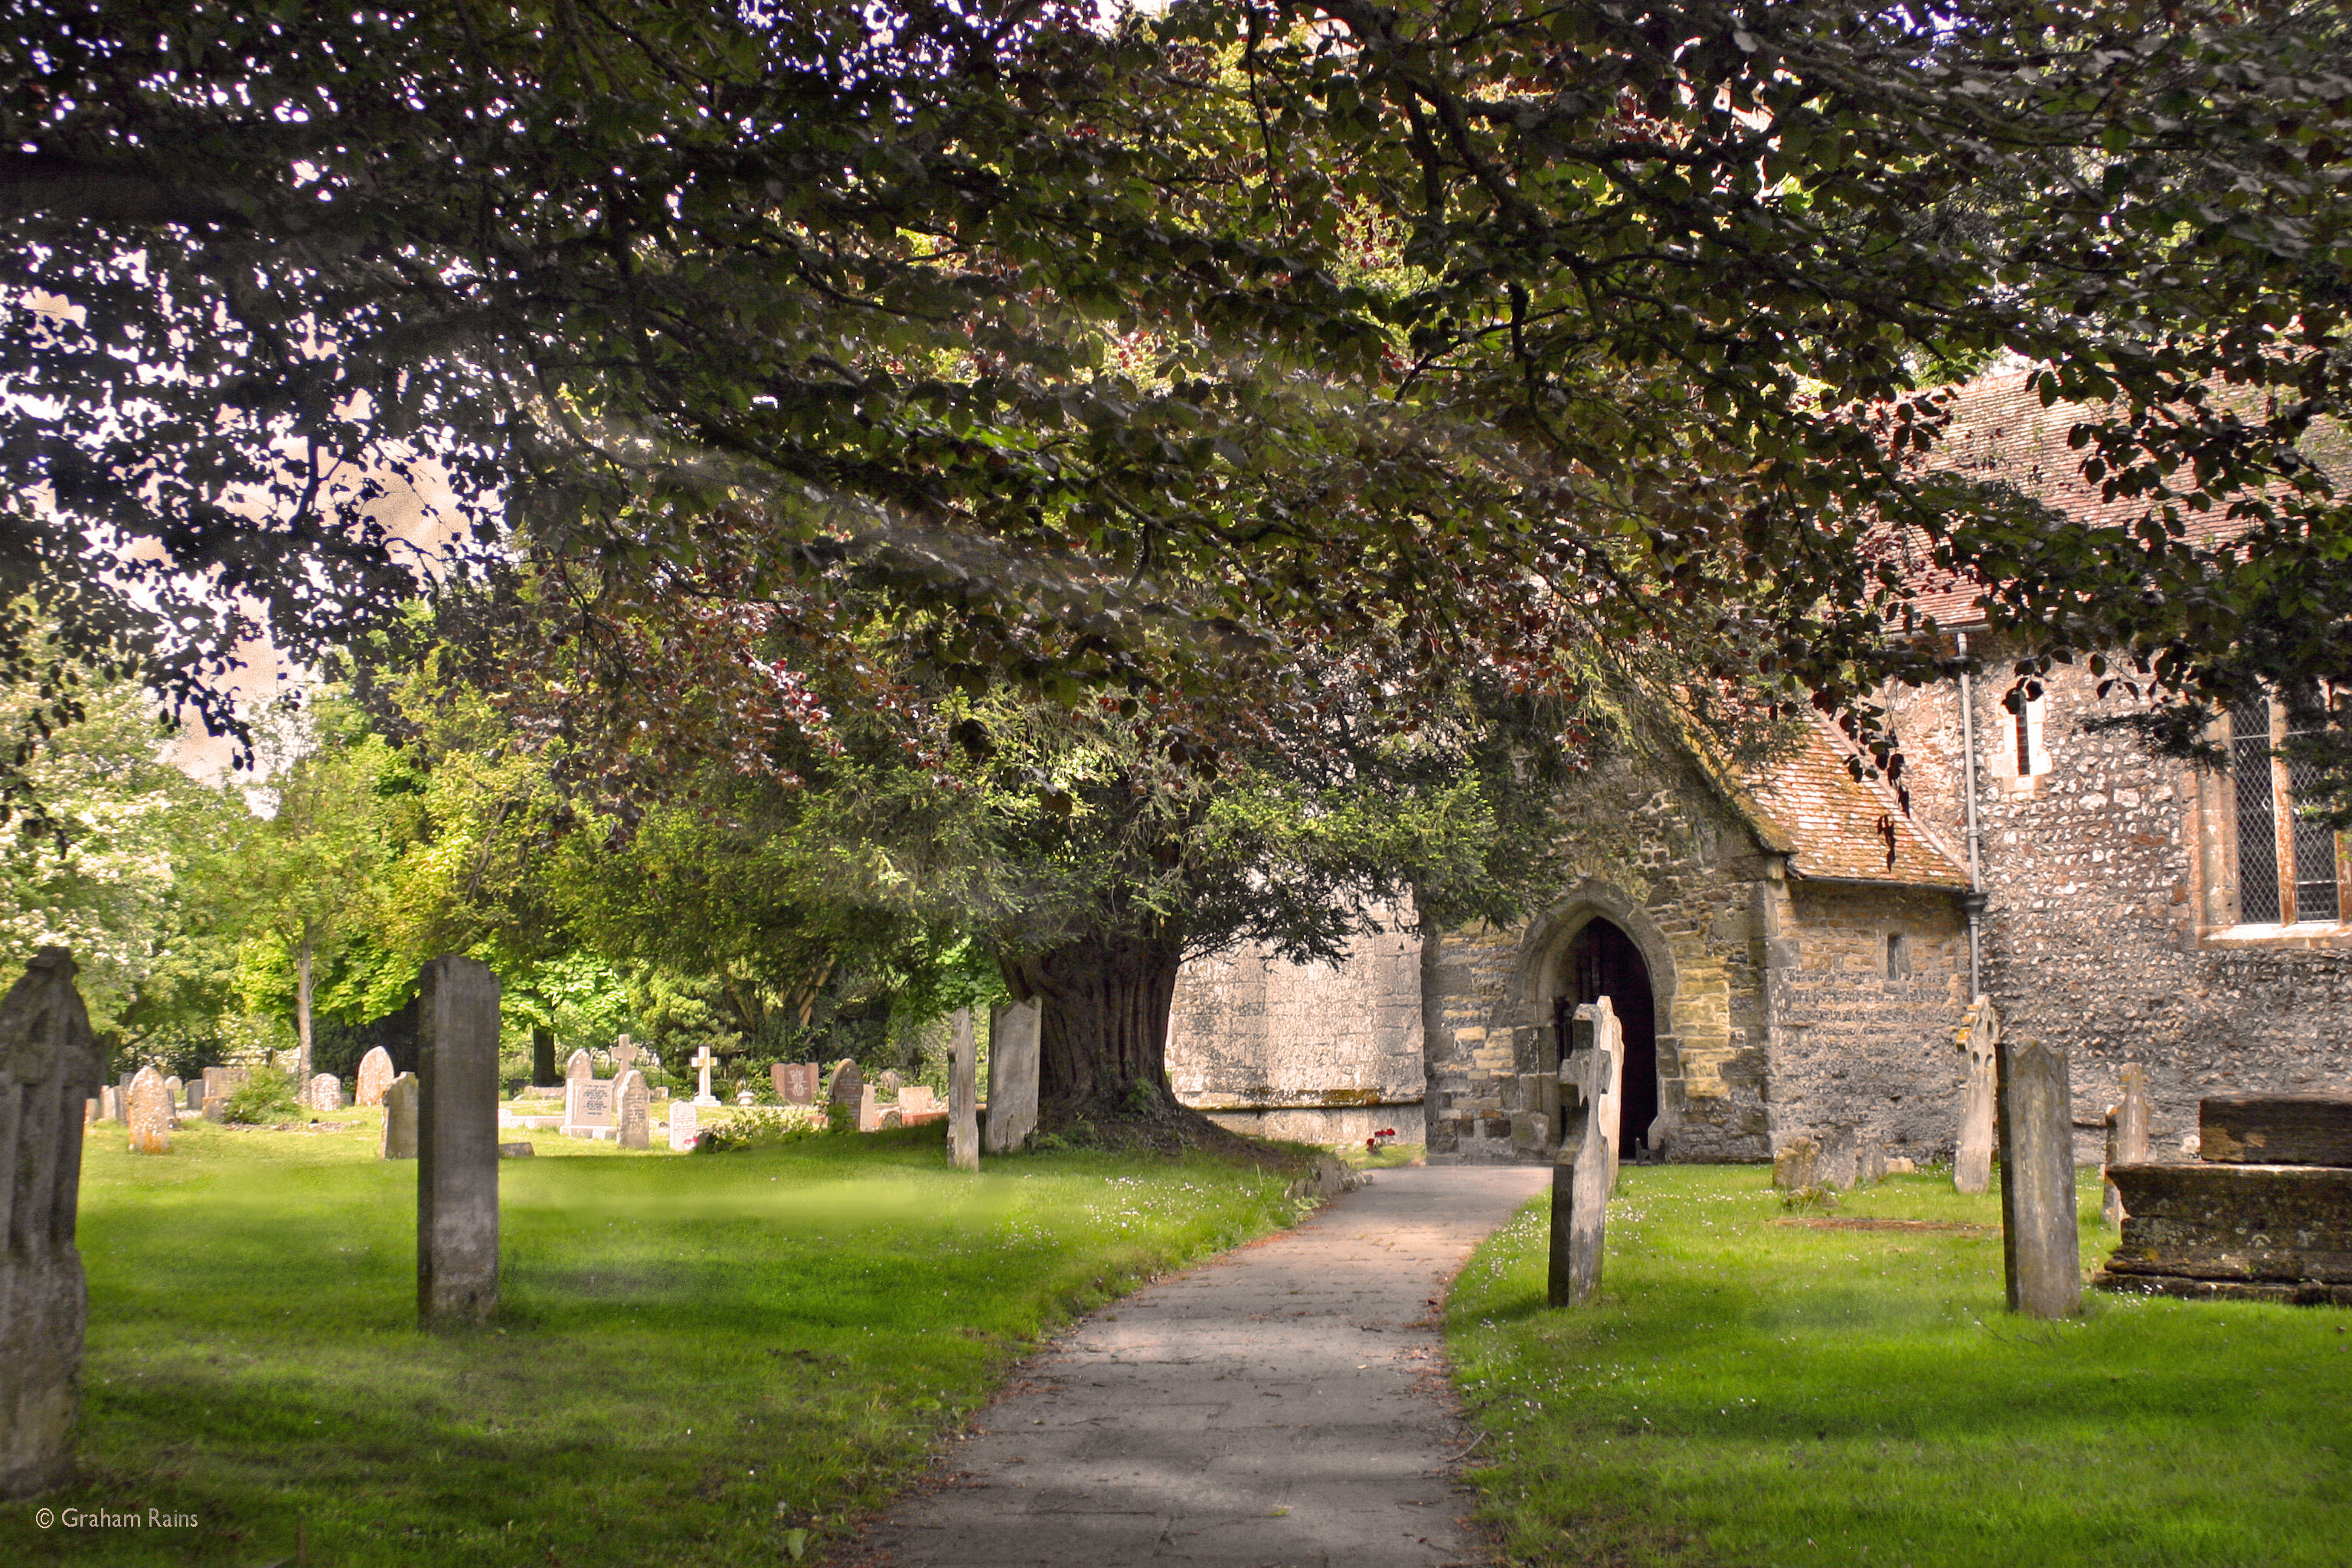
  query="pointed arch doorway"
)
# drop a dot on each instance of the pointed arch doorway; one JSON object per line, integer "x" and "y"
{"x": 1602, "y": 961}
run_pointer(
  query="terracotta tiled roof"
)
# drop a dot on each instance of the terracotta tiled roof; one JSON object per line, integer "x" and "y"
{"x": 1842, "y": 826}
{"x": 2001, "y": 431}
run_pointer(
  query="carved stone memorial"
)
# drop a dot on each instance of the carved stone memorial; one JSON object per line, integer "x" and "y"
{"x": 1012, "y": 1075}
{"x": 637, "y": 1101}
{"x": 457, "y": 1142}
{"x": 2041, "y": 1247}
{"x": 147, "y": 1112}
{"x": 1581, "y": 1175}
{"x": 48, "y": 1071}
{"x": 375, "y": 1077}
{"x": 401, "y": 1104}
{"x": 1980, "y": 1036}
{"x": 963, "y": 1095}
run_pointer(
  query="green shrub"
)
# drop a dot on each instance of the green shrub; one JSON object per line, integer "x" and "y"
{"x": 267, "y": 1095}
{"x": 761, "y": 1127}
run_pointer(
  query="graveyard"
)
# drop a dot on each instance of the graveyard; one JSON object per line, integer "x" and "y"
{"x": 713, "y": 1359}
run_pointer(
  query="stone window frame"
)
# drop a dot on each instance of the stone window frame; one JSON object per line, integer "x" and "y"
{"x": 2028, "y": 722}
{"x": 2214, "y": 840}
{"x": 1896, "y": 963}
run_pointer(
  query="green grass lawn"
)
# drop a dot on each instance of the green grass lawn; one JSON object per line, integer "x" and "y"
{"x": 1750, "y": 1392}
{"x": 698, "y": 1360}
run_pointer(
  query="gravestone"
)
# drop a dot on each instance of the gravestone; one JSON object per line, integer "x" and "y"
{"x": 890, "y": 1082}
{"x": 2126, "y": 1123}
{"x": 375, "y": 1077}
{"x": 795, "y": 1083}
{"x": 109, "y": 1105}
{"x": 401, "y": 1104}
{"x": 1579, "y": 1176}
{"x": 963, "y": 1095}
{"x": 458, "y": 1141}
{"x": 703, "y": 1062}
{"x": 917, "y": 1100}
{"x": 542, "y": 1056}
{"x": 891, "y": 1117}
{"x": 588, "y": 1111}
{"x": 682, "y": 1128}
{"x": 869, "y": 1110}
{"x": 625, "y": 1055}
{"x": 2039, "y": 1244}
{"x": 578, "y": 1066}
{"x": 1841, "y": 1159}
{"x": 1980, "y": 1036}
{"x": 325, "y": 1092}
{"x": 1535, "y": 1126}
{"x": 173, "y": 1091}
{"x": 636, "y": 1109}
{"x": 1797, "y": 1166}
{"x": 148, "y": 1113}
{"x": 1012, "y": 1075}
{"x": 49, "y": 1069}
{"x": 842, "y": 1096}
{"x": 195, "y": 1092}
{"x": 2244, "y": 1226}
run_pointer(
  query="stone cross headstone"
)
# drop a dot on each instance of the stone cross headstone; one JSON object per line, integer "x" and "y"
{"x": 1980, "y": 1036}
{"x": 2039, "y": 1244}
{"x": 2127, "y": 1138}
{"x": 588, "y": 1111}
{"x": 1012, "y": 1075}
{"x": 636, "y": 1109}
{"x": 375, "y": 1077}
{"x": 458, "y": 1141}
{"x": 401, "y": 1103}
{"x": 49, "y": 1069}
{"x": 843, "y": 1096}
{"x": 578, "y": 1066}
{"x": 1580, "y": 1179}
{"x": 326, "y": 1092}
{"x": 682, "y": 1128}
{"x": 148, "y": 1113}
{"x": 703, "y": 1062}
{"x": 963, "y": 1095}
{"x": 625, "y": 1055}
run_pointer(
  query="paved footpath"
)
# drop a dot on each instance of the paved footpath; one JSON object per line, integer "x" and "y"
{"x": 1281, "y": 1406}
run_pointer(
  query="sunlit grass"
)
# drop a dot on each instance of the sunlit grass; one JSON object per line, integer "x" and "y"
{"x": 694, "y": 1357}
{"x": 1750, "y": 1392}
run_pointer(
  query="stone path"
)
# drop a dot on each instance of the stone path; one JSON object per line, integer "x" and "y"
{"x": 1282, "y": 1406}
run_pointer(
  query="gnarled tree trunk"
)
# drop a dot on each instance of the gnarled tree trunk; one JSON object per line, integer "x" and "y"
{"x": 1102, "y": 1023}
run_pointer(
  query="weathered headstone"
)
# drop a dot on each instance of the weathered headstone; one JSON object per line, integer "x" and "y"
{"x": 325, "y": 1092}
{"x": 890, "y": 1082}
{"x": 1797, "y": 1166}
{"x": 1012, "y": 1075}
{"x": 1870, "y": 1164}
{"x": 148, "y": 1113}
{"x": 682, "y": 1128}
{"x": 458, "y": 1141}
{"x": 795, "y": 1083}
{"x": 1613, "y": 1107}
{"x": 919, "y": 1100}
{"x": 869, "y": 1110}
{"x": 2040, "y": 1244}
{"x": 1535, "y": 1126}
{"x": 1980, "y": 1036}
{"x": 578, "y": 1066}
{"x": 542, "y": 1056}
{"x": 625, "y": 1055}
{"x": 109, "y": 1108}
{"x": 2127, "y": 1138}
{"x": 703, "y": 1062}
{"x": 588, "y": 1111}
{"x": 842, "y": 1096}
{"x": 891, "y": 1117}
{"x": 1580, "y": 1177}
{"x": 637, "y": 1109}
{"x": 2275, "y": 1129}
{"x": 963, "y": 1095}
{"x": 49, "y": 1069}
{"x": 375, "y": 1077}
{"x": 401, "y": 1104}
{"x": 195, "y": 1092}
{"x": 173, "y": 1090}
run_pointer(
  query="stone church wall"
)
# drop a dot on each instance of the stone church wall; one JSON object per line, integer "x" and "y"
{"x": 2108, "y": 928}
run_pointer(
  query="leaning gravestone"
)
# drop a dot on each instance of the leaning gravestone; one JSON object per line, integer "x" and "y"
{"x": 2039, "y": 1243}
{"x": 1980, "y": 1036}
{"x": 683, "y": 1129}
{"x": 1012, "y": 1075}
{"x": 1580, "y": 1177}
{"x": 375, "y": 1077}
{"x": 635, "y": 1109}
{"x": 147, "y": 1112}
{"x": 398, "y": 1140}
{"x": 48, "y": 1071}
{"x": 458, "y": 1141}
{"x": 963, "y": 1095}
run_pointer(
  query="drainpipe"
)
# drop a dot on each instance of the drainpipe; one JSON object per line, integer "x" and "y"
{"x": 1973, "y": 901}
